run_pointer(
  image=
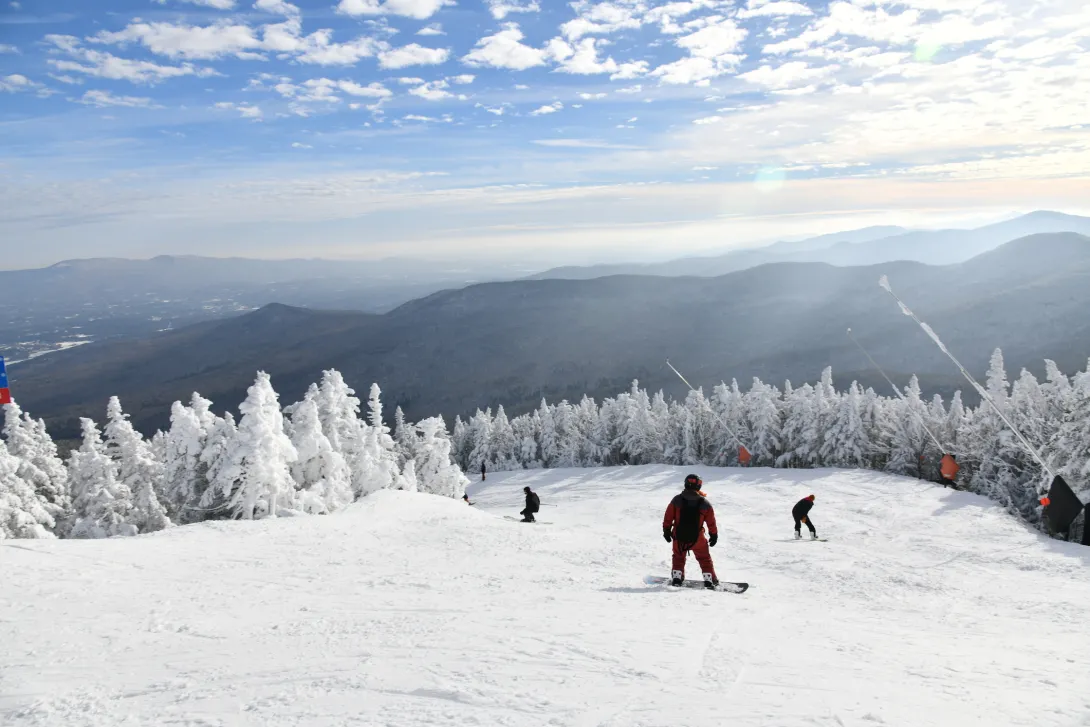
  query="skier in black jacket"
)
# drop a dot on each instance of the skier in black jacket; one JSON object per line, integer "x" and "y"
{"x": 533, "y": 504}
{"x": 801, "y": 513}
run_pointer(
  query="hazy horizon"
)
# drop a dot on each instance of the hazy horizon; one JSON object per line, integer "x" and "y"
{"x": 512, "y": 129}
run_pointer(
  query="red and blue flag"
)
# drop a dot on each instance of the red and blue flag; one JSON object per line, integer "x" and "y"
{"x": 5, "y": 392}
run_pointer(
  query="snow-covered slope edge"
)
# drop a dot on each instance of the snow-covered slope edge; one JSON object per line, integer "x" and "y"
{"x": 927, "y": 607}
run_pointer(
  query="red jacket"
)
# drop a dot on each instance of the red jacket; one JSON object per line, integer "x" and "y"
{"x": 693, "y": 502}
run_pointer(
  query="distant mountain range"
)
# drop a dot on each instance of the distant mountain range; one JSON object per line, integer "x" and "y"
{"x": 868, "y": 246}
{"x": 513, "y": 343}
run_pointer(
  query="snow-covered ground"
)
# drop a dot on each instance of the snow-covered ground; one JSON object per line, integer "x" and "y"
{"x": 926, "y": 607}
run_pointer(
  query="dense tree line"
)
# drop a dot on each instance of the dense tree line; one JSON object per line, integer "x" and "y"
{"x": 318, "y": 455}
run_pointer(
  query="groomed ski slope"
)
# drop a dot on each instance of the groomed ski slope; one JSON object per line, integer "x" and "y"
{"x": 926, "y": 607}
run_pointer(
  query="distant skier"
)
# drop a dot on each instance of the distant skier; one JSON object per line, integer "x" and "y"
{"x": 466, "y": 498}
{"x": 683, "y": 525}
{"x": 533, "y": 504}
{"x": 801, "y": 513}
{"x": 948, "y": 469}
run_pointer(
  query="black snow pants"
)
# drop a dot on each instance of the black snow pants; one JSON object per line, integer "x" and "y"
{"x": 809, "y": 524}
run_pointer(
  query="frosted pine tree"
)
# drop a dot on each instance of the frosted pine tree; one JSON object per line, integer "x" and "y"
{"x": 480, "y": 437}
{"x": 137, "y": 470}
{"x": 503, "y": 444}
{"x": 339, "y": 412}
{"x": 998, "y": 472}
{"x": 404, "y": 438}
{"x": 254, "y": 479}
{"x": 801, "y": 434}
{"x": 435, "y": 472}
{"x": 39, "y": 464}
{"x": 183, "y": 472}
{"x": 729, "y": 403}
{"x": 910, "y": 445}
{"x": 215, "y": 463}
{"x": 763, "y": 411}
{"x": 322, "y": 476}
{"x": 641, "y": 439}
{"x": 846, "y": 443}
{"x": 527, "y": 429}
{"x": 22, "y": 511}
{"x": 1071, "y": 449}
{"x": 550, "y": 449}
{"x": 101, "y": 505}
{"x": 461, "y": 444}
{"x": 379, "y": 469}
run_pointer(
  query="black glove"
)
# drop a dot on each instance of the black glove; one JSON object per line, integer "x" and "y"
{"x": 666, "y": 535}
{"x": 713, "y": 539}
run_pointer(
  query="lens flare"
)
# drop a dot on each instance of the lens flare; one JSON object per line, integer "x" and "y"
{"x": 770, "y": 179}
{"x": 926, "y": 51}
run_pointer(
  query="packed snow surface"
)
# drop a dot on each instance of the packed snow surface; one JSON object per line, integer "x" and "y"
{"x": 926, "y": 607}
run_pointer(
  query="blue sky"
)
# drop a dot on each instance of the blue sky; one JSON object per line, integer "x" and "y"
{"x": 631, "y": 129}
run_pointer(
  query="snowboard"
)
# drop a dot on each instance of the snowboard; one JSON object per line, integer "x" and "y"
{"x": 727, "y": 586}
{"x": 802, "y": 540}
{"x": 518, "y": 520}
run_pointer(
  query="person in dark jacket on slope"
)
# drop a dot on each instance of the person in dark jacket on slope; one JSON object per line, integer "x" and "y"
{"x": 683, "y": 525}
{"x": 533, "y": 504}
{"x": 801, "y": 513}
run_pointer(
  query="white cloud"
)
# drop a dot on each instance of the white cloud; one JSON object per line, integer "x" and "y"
{"x": 850, "y": 20}
{"x": 217, "y": 4}
{"x": 600, "y": 19}
{"x": 433, "y": 29}
{"x": 580, "y": 144}
{"x": 495, "y": 110}
{"x": 371, "y": 90}
{"x": 445, "y": 118}
{"x": 412, "y": 55}
{"x": 410, "y": 81}
{"x": 582, "y": 59}
{"x": 631, "y": 89}
{"x": 319, "y": 50}
{"x": 502, "y": 8}
{"x": 419, "y": 9}
{"x": 247, "y": 111}
{"x": 463, "y": 79}
{"x": 549, "y": 109}
{"x": 789, "y": 76}
{"x": 16, "y": 83}
{"x": 186, "y": 41}
{"x": 299, "y": 145}
{"x": 774, "y": 8}
{"x": 104, "y": 65}
{"x": 5, "y": 48}
{"x": 713, "y": 51}
{"x": 505, "y": 50}
{"x": 592, "y": 96}
{"x": 278, "y": 7}
{"x": 103, "y": 99}
{"x": 434, "y": 91}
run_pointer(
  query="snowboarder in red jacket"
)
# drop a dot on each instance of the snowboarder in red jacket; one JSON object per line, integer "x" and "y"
{"x": 683, "y": 525}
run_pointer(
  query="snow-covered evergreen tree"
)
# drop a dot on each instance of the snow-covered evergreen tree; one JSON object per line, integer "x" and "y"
{"x": 435, "y": 472}
{"x": 321, "y": 475}
{"x": 254, "y": 479}
{"x": 22, "y": 511}
{"x": 378, "y": 469}
{"x": 502, "y": 443}
{"x": 910, "y": 445}
{"x": 404, "y": 438}
{"x": 137, "y": 470}
{"x": 39, "y": 464}
{"x": 101, "y": 506}
{"x": 183, "y": 472}
{"x": 846, "y": 443}
{"x": 763, "y": 412}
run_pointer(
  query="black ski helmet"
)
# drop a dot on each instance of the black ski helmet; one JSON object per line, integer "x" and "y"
{"x": 693, "y": 482}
